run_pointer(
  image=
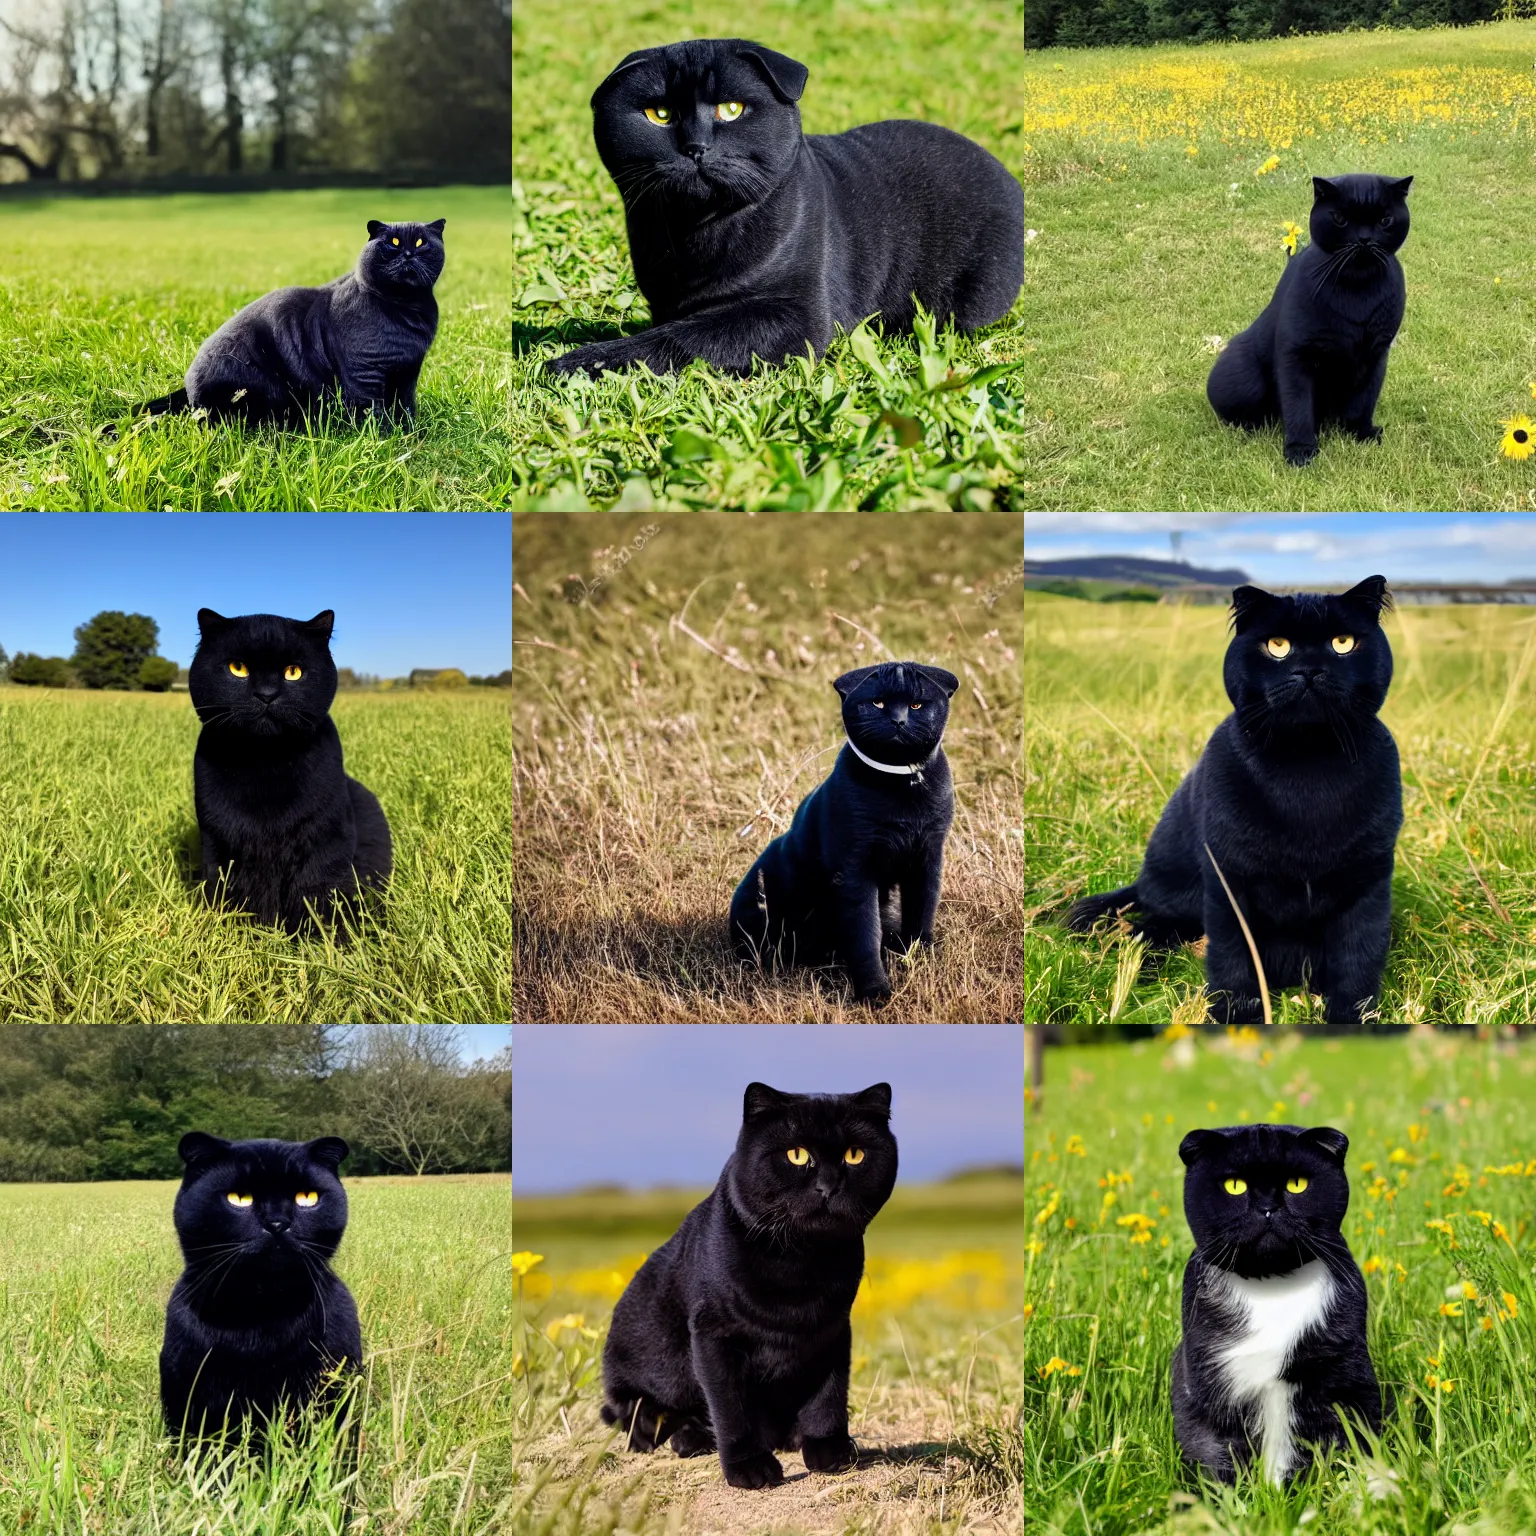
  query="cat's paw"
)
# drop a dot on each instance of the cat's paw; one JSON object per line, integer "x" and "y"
{"x": 759, "y": 1471}
{"x": 1235, "y": 1008}
{"x": 876, "y": 996}
{"x": 1299, "y": 455}
{"x": 691, "y": 1438}
{"x": 1369, "y": 433}
{"x": 835, "y": 1453}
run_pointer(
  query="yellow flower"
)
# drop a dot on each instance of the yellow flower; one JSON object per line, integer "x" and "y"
{"x": 1517, "y": 443}
{"x": 523, "y": 1262}
{"x": 1056, "y": 1363}
{"x": 1468, "y": 1290}
{"x": 1371, "y": 1265}
{"x": 1510, "y": 1304}
{"x": 1292, "y": 235}
{"x": 1272, "y": 164}
{"x": 1076, "y": 1147}
{"x": 1143, "y": 1225}
{"x": 1450, "y": 1309}
{"x": 1447, "y": 1386}
{"x": 1194, "y": 149}
{"x": 518, "y": 1369}
{"x": 553, "y": 1330}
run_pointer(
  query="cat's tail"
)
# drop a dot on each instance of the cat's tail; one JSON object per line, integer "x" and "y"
{"x": 1090, "y": 909}
{"x": 167, "y": 405}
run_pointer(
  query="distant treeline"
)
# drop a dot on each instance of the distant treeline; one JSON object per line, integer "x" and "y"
{"x": 112, "y": 1102}
{"x": 1117, "y": 23}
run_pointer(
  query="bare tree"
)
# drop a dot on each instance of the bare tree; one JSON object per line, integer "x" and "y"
{"x": 405, "y": 1095}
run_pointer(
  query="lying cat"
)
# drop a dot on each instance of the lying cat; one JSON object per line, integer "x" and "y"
{"x": 366, "y": 334}
{"x": 750, "y": 239}
{"x": 861, "y": 863}
{"x": 1318, "y": 352}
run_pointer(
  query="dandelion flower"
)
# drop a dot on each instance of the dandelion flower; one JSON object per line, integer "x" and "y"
{"x": 1511, "y": 1304}
{"x": 1518, "y": 443}
{"x": 1292, "y": 235}
{"x": 1450, "y": 1309}
{"x": 523, "y": 1262}
{"x": 1272, "y": 164}
{"x": 1191, "y": 150}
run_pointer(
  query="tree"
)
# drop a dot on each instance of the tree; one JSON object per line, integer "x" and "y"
{"x": 157, "y": 674}
{"x": 5, "y": 662}
{"x": 41, "y": 671}
{"x": 406, "y": 1098}
{"x": 112, "y": 647}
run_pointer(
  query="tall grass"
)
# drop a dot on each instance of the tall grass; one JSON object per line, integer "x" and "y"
{"x": 102, "y": 918}
{"x": 668, "y": 723}
{"x": 1122, "y": 697}
{"x": 85, "y": 1272}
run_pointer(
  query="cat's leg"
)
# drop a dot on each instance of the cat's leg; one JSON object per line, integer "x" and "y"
{"x": 1355, "y": 954}
{"x": 645, "y": 1424}
{"x": 727, "y": 338}
{"x": 1239, "y": 391}
{"x": 1298, "y": 410}
{"x": 920, "y": 895}
{"x": 1202, "y": 1444}
{"x": 1361, "y": 405}
{"x": 858, "y": 937}
{"x": 1229, "y": 975}
{"x": 822, "y": 1423}
{"x": 745, "y": 1459}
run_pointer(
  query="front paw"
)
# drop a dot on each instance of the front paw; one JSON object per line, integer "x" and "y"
{"x": 835, "y": 1453}
{"x": 691, "y": 1438}
{"x": 1299, "y": 455}
{"x": 876, "y": 994}
{"x": 1369, "y": 433}
{"x": 759, "y": 1471}
{"x": 1234, "y": 1008}
{"x": 598, "y": 357}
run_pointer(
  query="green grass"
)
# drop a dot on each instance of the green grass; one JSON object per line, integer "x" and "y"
{"x": 1121, "y": 698}
{"x": 85, "y": 1272}
{"x": 102, "y": 922}
{"x": 801, "y": 436}
{"x": 1420, "y": 1113}
{"x": 104, "y": 302}
{"x": 933, "y": 1401}
{"x": 1144, "y": 253}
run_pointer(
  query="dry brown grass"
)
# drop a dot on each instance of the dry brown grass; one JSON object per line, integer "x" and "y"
{"x": 666, "y": 725}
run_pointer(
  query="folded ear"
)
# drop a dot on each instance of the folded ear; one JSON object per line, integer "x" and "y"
{"x": 328, "y": 1151}
{"x": 945, "y": 680}
{"x": 199, "y": 1147}
{"x": 208, "y": 621}
{"x": 784, "y": 74}
{"x": 851, "y": 680}
{"x": 1400, "y": 188}
{"x": 1372, "y": 594}
{"x": 323, "y": 621}
{"x": 760, "y": 1100}
{"x": 1329, "y": 1142}
{"x": 877, "y": 1098}
{"x": 1199, "y": 1144}
{"x": 639, "y": 56}
{"x": 375, "y": 229}
{"x": 436, "y": 226}
{"x": 1247, "y": 602}
{"x": 1323, "y": 189}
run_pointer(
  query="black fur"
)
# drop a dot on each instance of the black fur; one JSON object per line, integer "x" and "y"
{"x": 751, "y": 240}
{"x": 734, "y": 1334}
{"x": 257, "y": 1318}
{"x": 281, "y": 822}
{"x": 1299, "y": 797}
{"x": 1318, "y": 352}
{"x": 366, "y": 334}
{"x": 861, "y": 863}
{"x": 1261, "y": 1232}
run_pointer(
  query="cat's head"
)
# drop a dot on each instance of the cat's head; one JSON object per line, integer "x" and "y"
{"x": 1308, "y": 661}
{"x": 895, "y": 712}
{"x": 262, "y": 675}
{"x": 1363, "y": 216}
{"x": 707, "y": 123}
{"x": 812, "y": 1165}
{"x": 268, "y": 1204}
{"x": 1265, "y": 1199}
{"x": 405, "y": 257}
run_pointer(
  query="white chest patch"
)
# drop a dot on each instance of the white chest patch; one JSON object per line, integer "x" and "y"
{"x": 1272, "y": 1315}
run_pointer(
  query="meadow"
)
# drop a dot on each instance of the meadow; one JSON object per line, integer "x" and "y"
{"x": 935, "y": 1385}
{"x": 104, "y": 302}
{"x": 1160, "y": 183}
{"x": 1122, "y": 698}
{"x": 102, "y": 920}
{"x": 85, "y": 1272}
{"x": 900, "y": 423}
{"x": 669, "y": 717}
{"x": 1440, "y": 1160}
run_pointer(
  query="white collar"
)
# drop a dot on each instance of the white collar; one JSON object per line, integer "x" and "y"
{"x": 903, "y": 768}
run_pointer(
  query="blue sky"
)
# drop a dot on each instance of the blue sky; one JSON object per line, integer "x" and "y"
{"x": 480, "y": 1041}
{"x": 1291, "y": 548}
{"x": 414, "y": 589}
{"x": 643, "y": 1105}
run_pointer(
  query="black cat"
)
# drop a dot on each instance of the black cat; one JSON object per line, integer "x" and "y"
{"x": 367, "y": 333}
{"x": 867, "y": 841}
{"x": 734, "y": 1334}
{"x": 281, "y": 822}
{"x": 1318, "y": 352}
{"x": 257, "y": 1319}
{"x": 1297, "y": 797}
{"x": 751, "y": 240}
{"x": 1273, "y": 1352}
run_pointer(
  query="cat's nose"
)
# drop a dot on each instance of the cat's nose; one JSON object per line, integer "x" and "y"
{"x": 266, "y": 695}
{"x": 696, "y": 152}
{"x": 899, "y": 713}
{"x": 275, "y": 1224}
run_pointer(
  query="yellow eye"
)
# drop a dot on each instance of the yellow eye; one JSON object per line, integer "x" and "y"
{"x": 661, "y": 116}
{"x": 418, "y": 240}
{"x": 729, "y": 111}
{"x": 1277, "y": 647}
{"x": 1343, "y": 644}
{"x": 241, "y": 1200}
{"x": 394, "y": 239}
{"x": 293, "y": 674}
{"x": 915, "y": 704}
{"x": 1295, "y": 1186}
{"x": 311, "y": 1198}
{"x": 1236, "y": 1186}
{"x": 854, "y": 1156}
{"x": 238, "y": 669}
{"x": 799, "y": 1156}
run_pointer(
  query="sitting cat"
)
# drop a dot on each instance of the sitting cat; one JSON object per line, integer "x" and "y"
{"x": 1297, "y": 797}
{"x": 281, "y": 822}
{"x": 750, "y": 239}
{"x": 1318, "y": 352}
{"x": 257, "y": 1319}
{"x": 734, "y": 1335}
{"x": 1273, "y": 1353}
{"x": 866, "y": 841}
{"x": 286, "y": 354}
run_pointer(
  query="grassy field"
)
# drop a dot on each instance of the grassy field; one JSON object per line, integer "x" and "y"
{"x": 933, "y": 1402}
{"x": 1160, "y": 233}
{"x": 1122, "y": 698}
{"x": 85, "y": 1272}
{"x": 102, "y": 921}
{"x": 104, "y": 302}
{"x": 1440, "y": 1159}
{"x": 667, "y": 725}
{"x": 887, "y": 424}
